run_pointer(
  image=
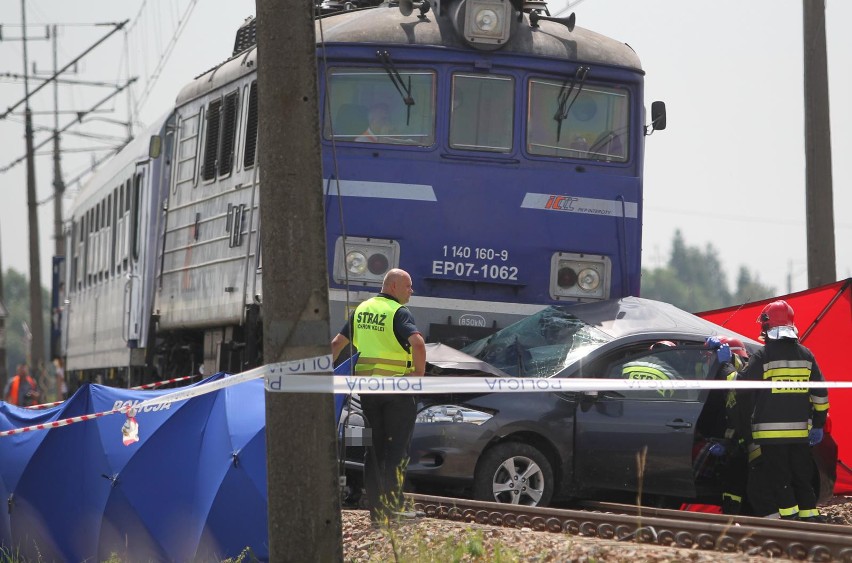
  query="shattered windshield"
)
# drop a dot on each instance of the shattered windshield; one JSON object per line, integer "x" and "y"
{"x": 539, "y": 346}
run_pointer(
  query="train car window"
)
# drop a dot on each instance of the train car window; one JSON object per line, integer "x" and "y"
{"x": 105, "y": 264}
{"x": 112, "y": 232}
{"x": 126, "y": 242}
{"x": 365, "y": 106}
{"x": 229, "y": 134}
{"x": 594, "y": 125}
{"x": 120, "y": 227}
{"x": 78, "y": 253}
{"x": 89, "y": 253}
{"x": 99, "y": 240}
{"x": 135, "y": 213}
{"x": 211, "y": 140}
{"x": 482, "y": 112}
{"x": 251, "y": 128}
{"x": 188, "y": 132}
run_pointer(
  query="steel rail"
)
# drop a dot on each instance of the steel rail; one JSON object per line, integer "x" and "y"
{"x": 752, "y": 536}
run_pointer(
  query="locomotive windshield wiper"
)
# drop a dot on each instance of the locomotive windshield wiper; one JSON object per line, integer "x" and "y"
{"x": 404, "y": 91}
{"x": 565, "y": 94}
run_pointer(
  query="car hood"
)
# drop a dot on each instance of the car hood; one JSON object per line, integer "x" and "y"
{"x": 447, "y": 358}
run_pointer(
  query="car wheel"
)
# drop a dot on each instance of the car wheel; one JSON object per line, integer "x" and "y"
{"x": 514, "y": 473}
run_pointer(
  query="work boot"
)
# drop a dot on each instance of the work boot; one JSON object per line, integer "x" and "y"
{"x": 818, "y": 519}
{"x": 731, "y": 506}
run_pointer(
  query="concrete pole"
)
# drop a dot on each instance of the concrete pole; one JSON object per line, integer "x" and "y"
{"x": 36, "y": 318}
{"x": 301, "y": 437}
{"x": 58, "y": 184}
{"x": 819, "y": 205}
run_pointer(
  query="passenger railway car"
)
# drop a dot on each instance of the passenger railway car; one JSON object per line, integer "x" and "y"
{"x": 492, "y": 151}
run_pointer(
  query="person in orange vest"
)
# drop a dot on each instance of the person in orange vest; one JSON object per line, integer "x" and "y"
{"x": 22, "y": 389}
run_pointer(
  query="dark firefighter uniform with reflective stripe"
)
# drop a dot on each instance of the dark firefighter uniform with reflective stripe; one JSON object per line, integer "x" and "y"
{"x": 380, "y": 328}
{"x": 735, "y": 470}
{"x": 780, "y": 422}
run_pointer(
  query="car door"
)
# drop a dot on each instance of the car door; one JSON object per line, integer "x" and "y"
{"x": 623, "y": 438}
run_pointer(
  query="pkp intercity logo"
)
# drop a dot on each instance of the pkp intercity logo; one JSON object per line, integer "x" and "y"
{"x": 561, "y": 203}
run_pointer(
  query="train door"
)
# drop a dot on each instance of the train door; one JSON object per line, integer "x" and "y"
{"x": 133, "y": 302}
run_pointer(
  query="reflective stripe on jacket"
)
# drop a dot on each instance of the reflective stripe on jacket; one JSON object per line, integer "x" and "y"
{"x": 372, "y": 334}
{"x": 786, "y": 415}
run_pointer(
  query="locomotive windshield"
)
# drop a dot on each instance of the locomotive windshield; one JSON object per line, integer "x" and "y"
{"x": 596, "y": 126}
{"x": 366, "y": 107}
{"x": 482, "y": 112}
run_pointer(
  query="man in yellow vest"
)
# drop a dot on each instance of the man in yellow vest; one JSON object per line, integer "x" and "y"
{"x": 382, "y": 329}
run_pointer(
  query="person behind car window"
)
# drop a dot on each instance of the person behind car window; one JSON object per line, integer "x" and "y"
{"x": 651, "y": 368}
{"x": 390, "y": 345}
{"x": 726, "y": 424}
{"x": 379, "y": 125}
{"x": 785, "y": 423}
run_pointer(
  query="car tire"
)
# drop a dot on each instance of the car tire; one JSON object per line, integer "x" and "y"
{"x": 514, "y": 473}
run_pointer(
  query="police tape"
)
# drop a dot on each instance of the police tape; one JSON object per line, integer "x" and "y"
{"x": 343, "y": 384}
{"x": 313, "y": 375}
{"x": 146, "y": 386}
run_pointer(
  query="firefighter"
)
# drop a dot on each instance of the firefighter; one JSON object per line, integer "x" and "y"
{"x": 734, "y": 425}
{"x": 785, "y": 423}
{"x": 390, "y": 345}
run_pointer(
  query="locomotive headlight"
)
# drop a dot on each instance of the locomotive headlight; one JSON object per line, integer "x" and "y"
{"x": 356, "y": 263}
{"x": 485, "y": 24}
{"x": 486, "y": 20}
{"x": 364, "y": 261}
{"x": 589, "y": 279}
{"x": 580, "y": 277}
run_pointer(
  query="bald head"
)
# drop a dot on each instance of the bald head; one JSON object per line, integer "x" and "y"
{"x": 397, "y": 283}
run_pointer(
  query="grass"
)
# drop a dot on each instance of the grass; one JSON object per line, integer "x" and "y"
{"x": 411, "y": 546}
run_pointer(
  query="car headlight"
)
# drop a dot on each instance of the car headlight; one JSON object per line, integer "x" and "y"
{"x": 580, "y": 277}
{"x": 453, "y": 414}
{"x": 364, "y": 261}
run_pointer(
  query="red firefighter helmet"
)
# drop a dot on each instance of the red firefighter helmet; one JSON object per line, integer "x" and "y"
{"x": 736, "y": 345}
{"x": 777, "y": 315}
{"x": 662, "y": 344}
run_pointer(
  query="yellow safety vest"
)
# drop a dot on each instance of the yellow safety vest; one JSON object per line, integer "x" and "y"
{"x": 373, "y": 336}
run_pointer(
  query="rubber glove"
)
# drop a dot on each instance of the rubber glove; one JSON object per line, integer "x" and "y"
{"x": 815, "y": 436}
{"x": 717, "y": 449}
{"x": 712, "y": 342}
{"x": 723, "y": 353}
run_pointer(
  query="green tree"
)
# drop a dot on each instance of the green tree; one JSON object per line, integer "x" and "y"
{"x": 16, "y": 296}
{"x": 694, "y": 280}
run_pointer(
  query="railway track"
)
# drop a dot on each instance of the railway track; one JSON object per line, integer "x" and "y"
{"x": 695, "y": 530}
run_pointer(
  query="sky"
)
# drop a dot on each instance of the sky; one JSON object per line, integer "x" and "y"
{"x": 728, "y": 171}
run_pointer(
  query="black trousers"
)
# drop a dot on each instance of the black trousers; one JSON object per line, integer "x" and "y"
{"x": 734, "y": 476}
{"x": 781, "y": 478}
{"x": 391, "y": 422}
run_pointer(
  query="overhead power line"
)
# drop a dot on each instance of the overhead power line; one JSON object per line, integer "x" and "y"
{"x": 161, "y": 63}
{"x": 13, "y": 107}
